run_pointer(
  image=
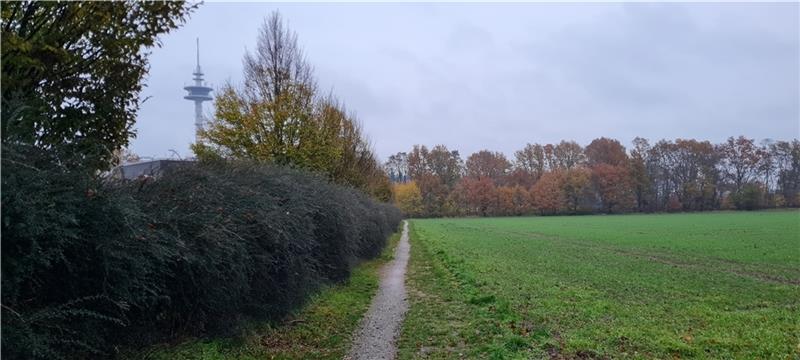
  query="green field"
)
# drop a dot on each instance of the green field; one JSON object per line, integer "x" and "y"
{"x": 711, "y": 285}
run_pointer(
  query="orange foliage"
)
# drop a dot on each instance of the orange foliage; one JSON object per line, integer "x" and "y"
{"x": 614, "y": 186}
{"x": 547, "y": 193}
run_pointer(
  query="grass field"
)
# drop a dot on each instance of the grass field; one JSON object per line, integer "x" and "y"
{"x": 710, "y": 285}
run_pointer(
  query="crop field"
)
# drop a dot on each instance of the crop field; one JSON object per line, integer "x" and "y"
{"x": 710, "y": 285}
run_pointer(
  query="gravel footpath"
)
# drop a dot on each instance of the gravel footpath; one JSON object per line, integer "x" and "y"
{"x": 380, "y": 327}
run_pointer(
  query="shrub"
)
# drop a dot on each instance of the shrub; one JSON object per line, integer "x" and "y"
{"x": 90, "y": 264}
{"x": 750, "y": 197}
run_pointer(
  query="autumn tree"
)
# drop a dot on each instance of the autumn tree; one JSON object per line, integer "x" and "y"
{"x": 479, "y": 195}
{"x": 548, "y": 194}
{"x": 786, "y": 155}
{"x": 639, "y": 176}
{"x": 740, "y": 160}
{"x": 605, "y": 151}
{"x": 72, "y": 73}
{"x": 445, "y": 164}
{"x": 577, "y": 190}
{"x": 669, "y": 175}
{"x": 568, "y": 155}
{"x": 613, "y": 186}
{"x": 531, "y": 160}
{"x": 276, "y": 116}
{"x": 521, "y": 200}
{"x": 695, "y": 173}
{"x": 519, "y": 177}
{"x": 436, "y": 172}
{"x": 487, "y": 164}
{"x": 549, "y": 157}
{"x": 271, "y": 116}
{"x": 417, "y": 162}
{"x": 687, "y": 170}
{"x": 408, "y": 198}
{"x": 504, "y": 201}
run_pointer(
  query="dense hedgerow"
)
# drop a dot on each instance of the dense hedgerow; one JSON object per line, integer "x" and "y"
{"x": 90, "y": 264}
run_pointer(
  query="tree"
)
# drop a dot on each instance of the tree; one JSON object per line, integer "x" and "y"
{"x": 614, "y": 187}
{"x": 695, "y": 173}
{"x": 787, "y": 165}
{"x": 435, "y": 194}
{"x": 687, "y": 170}
{"x": 397, "y": 167}
{"x": 488, "y": 164}
{"x": 577, "y": 190}
{"x": 277, "y": 117}
{"x": 520, "y": 177}
{"x": 521, "y": 199}
{"x": 504, "y": 201}
{"x": 740, "y": 159}
{"x": 549, "y": 157}
{"x": 640, "y": 178}
{"x": 437, "y": 173}
{"x": 568, "y": 154}
{"x": 418, "y": 162}
{"x": 271, "y": 117}
{"x": 531, "y": 160}
{"x": 445, "y": 164}
{"x": 605, "y": 151}
{"x": 750, "y": 197}
{"x": 408, "y": 198}
{"x": 72, "y": 72}
{"x": 548, "y": 194}
{"x": 479, "y": 195}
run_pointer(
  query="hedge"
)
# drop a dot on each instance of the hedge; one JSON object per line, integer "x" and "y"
{"x": 90, "y": 264}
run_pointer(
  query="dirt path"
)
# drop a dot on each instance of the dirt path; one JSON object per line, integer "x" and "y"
{"x": 380, "y": 327}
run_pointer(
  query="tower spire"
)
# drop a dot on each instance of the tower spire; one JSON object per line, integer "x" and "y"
{"x": 198, "y": 92}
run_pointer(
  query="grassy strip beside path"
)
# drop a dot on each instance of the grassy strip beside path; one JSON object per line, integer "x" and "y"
{"x": 452, "y": 317}
{"x": 322, "y": 329}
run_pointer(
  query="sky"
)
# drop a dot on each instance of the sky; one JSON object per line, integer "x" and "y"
{"x": 498, "y": 76}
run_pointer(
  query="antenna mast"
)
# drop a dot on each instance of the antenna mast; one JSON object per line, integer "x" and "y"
{"x": 198, "y": 93}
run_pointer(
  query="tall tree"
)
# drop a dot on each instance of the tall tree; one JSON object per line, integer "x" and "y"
{"x": 640, "y": 178}
{"x": 276, "y": 116}
{"x": 549, "y": 157}
{"x": 72, "y": 72}
{"x": 548, "y": 194}
{"x": 740, "y": 160}
{"x": 787, "y": 165}
{"x": 271, "y": 117}
{"x": 418, "y": 162}
{"x": 445, "y": 164}
{"x": 577, "y": 190}
{"x": 614, "y": 187}
{"x": 531, "y": 160}
{"x": 568, "y": 154}
{"x": 480, "y": 195}
{"x": 605, "y": 151}
{"x": 488, "y": 164}
{"x": 397, "y": 167}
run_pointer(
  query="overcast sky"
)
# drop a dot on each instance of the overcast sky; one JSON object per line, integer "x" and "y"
{"x": 497, "y": 76}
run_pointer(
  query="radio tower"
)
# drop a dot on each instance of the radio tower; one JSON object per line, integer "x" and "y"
{"x": 198, "y": 93}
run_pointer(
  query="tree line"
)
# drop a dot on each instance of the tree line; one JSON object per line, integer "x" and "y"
{"x": 602, "y": 177}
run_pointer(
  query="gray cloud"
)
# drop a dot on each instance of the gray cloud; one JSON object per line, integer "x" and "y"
{"x": 475, "y": 76}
